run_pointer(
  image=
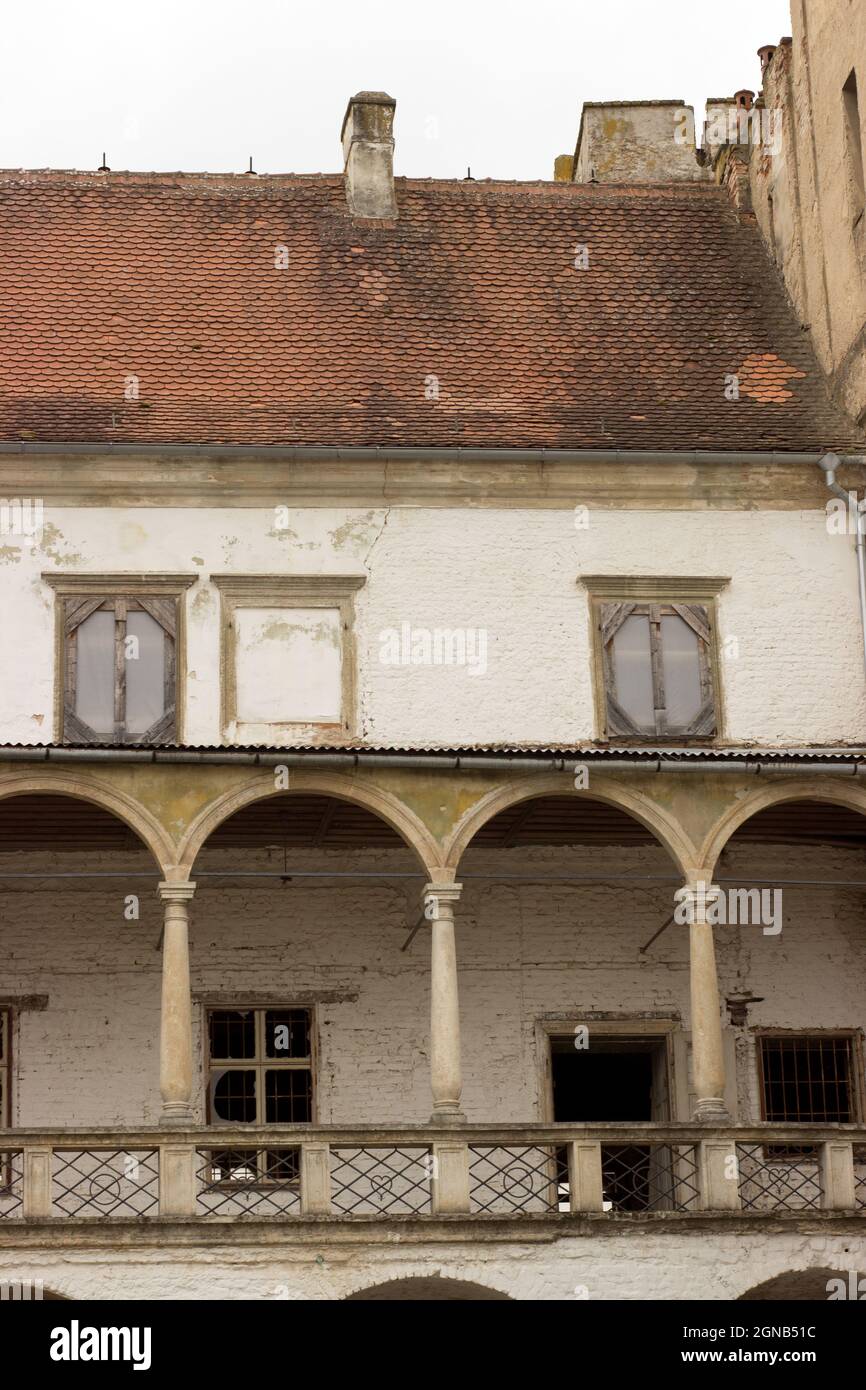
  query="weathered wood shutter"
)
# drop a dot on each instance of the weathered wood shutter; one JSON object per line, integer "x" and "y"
{"x": 611, "y": 618}
{"x": 164, "y": 612}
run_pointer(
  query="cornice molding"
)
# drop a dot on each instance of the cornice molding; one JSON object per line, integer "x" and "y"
{"x": 672, "y": 588}
{"x": 637, "y": 482}
{"x": 72, "y": 584}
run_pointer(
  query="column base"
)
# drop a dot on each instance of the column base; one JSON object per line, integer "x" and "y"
{"x": 177, "y": 1115}
{"x": 711, "y": 1110}
{"x": 449, "y": 1118}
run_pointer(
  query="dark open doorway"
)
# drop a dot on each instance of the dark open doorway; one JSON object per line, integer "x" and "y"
{"x": 615, "y": 1079}
{"x": 622, "y": 1079}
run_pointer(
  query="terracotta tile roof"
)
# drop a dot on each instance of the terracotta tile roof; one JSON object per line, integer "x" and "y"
{"x": 463, "y": 323}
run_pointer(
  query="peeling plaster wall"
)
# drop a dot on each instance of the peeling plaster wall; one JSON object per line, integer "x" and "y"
{"x": 525, "y": 952}
{"x": 675, "y": 1265}
{"x": 509, "y": 574}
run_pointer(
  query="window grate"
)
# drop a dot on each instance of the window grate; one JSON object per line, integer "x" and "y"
{"x": 649, "y": 1178}
{"x": 505, "y": 1180}
{"x": 260, "y": 1066}
{"x": 370, "y": 1182}
{"x": 105, "y": 1182}
{"x": 767, "y": 1184}
{"x": 11, "y": 1183}
{"x": 241, "y": 1182}
{"x": 809, "y": 1077}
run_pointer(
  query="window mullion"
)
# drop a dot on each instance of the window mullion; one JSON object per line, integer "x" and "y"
{"x": 655, "y": 626}
{"x": 120, "y": 611}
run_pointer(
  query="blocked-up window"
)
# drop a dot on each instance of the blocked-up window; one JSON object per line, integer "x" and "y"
{"x": 288, "y": 656}
{"x": 289, "y": 665}
{"x": 809, "y": 1077}
{"x": 658, "y": 678}
{"x": 120, "y": 674}
{"x": 260, "y": 1066}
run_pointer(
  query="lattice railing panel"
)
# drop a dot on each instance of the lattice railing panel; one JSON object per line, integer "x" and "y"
{"x": 376, "y": 1181}
{"x": 105, "y": 1182}
{"x": 525, "y": 1179}
{"x": 771, "y": 1182}
{"x": 240, "y": 1182}
{"x": 644, "y": 1177}
{"x": 11, "y": 1183}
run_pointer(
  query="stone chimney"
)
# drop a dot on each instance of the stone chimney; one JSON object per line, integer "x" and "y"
{"x": 636, "y": 142}
{"x": 368, "y": 152}
{"x": 766, "y": 55}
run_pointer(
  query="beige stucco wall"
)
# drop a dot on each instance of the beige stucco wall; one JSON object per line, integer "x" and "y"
{"x": 788, "y": 618}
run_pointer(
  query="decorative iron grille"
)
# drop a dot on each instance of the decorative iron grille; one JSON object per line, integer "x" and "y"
{"x": 503, "y": 1180}
{"x": 370, "y": 1182}
{"x": 239, "y": 1182}
{"x": 11, "y": 1183}
{"x": 776, "y": 1179}
{"x": 649, "y": 1177}
{"x": 105, "y": 1182}
{"x": 859, "y": 1176}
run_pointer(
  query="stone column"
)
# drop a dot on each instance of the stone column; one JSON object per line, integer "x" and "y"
{"x": 445, "y": 1073}
{"x": 708, "y": 1059}
{"x": 175, "y": 1037}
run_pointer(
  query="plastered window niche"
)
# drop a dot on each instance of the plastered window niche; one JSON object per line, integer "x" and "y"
{"x": 288, "y": 657}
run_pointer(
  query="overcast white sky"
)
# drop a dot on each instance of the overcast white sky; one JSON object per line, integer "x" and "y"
{"x": 497, "y": 85}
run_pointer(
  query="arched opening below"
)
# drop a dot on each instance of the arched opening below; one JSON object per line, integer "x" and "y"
{"x": 572, "y": 894}
{"x": 429, "y": 1289}
{"x": 800, "y": 1286}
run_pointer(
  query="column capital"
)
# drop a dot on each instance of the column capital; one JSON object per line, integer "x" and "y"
{"x": 175, "y": 892}
{"x": 448, "y": 892}
{"x": 694, "y": 899}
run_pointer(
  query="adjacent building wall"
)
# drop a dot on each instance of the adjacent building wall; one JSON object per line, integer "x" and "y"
{"x": 805, "y": 187}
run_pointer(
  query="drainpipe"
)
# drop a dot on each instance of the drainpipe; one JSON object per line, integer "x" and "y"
{"x": 829, "y": 463}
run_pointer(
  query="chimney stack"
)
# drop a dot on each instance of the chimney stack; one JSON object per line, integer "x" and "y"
{"x": 766, "y": 56}
{"x": 368, "y": 152}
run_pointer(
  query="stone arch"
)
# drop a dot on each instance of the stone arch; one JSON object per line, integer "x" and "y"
{"x": 428, "y": 1288}
{"x": 800, "y": 1286}
{"x": 796, "y": 789}
{"x": 386, "y": 806}
{"x": 153, "y": 836}
{"x": 665, "y": 829}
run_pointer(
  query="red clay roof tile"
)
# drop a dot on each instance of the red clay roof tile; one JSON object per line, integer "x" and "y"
{"x": 153, "y": 308}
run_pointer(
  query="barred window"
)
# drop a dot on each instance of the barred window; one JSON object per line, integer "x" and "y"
{"x": 809, "y": 1077}
{"x": 260, "y": 1064}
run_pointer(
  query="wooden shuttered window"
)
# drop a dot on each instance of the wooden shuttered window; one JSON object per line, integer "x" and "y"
{"x": 658, "y": 677}
{"x": 120, "y": 677}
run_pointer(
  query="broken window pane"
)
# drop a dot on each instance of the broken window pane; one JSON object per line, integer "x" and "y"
{"x": 681, "y": 663}
{"x": 632, "y": 666}
{"x": 234, "y": 1096}
{"x": 232, "y": 1033}
{"x": 94, "y": 689}
{"x": 145, "y": 672}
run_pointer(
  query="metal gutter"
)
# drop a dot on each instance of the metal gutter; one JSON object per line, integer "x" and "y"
{"x": 432, "y": 761}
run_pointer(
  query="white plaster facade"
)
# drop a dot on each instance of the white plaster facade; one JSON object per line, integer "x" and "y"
{"x": 788, "y": 621}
